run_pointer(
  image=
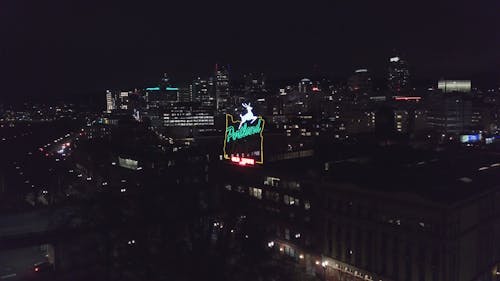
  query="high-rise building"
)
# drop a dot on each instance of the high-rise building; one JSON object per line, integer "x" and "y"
{"x": 184, "y": 95}
{"x": 181, "y": 119}
{"x": 187, "y": 115}
{"x": 165, "y": 81}
{"x": 454, "y": 113}
{"x": 203, "y": 90}
{"x": 254, "y": 84}
{"x": 305, "y": 85}
{"x": 161, "y": 96}
{"x": 110, "y": 102}
{"x": 360, "y": 81}
{"x": 164, "y": 93}
{"x": 399, "y": 75}
{"x": 222, "y": 91}
{"x": 124, "y": 100}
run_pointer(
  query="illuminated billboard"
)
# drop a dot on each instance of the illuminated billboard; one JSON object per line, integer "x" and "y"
{"x": 470, "y": 138}
{"x": 450, "y": 86}
{"x": 243, "y": 139}
{"x": 127, "y": 163}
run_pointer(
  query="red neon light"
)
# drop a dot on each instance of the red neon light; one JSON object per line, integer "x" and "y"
{"x": 243, "y": 161}
{"x": 407, "y": 98}
{"x": 315, "y": 89}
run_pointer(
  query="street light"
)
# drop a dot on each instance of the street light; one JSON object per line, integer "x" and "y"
{"x": 324, "y": 264}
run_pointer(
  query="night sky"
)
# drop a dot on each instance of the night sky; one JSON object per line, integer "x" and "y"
{"x": 59, "y": 48}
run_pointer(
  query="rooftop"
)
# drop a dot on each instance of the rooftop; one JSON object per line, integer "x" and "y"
{"x": 442, "y": 177}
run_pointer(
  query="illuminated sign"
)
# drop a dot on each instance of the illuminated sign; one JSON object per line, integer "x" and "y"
{"x": 158, "y": 88}
{"x": 243, "y": 140}
{"x": 243, "y": 131}
{"x": 394, "y": 59}
{"x": 243, "y": 161}
{"x": 403, "y": 98}
{"x": 450, "y": 86}
{"x": 470, "y": 138}
{"x": 127, "y": 163}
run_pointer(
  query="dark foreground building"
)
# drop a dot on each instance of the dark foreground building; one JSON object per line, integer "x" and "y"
{"x": 388, "y": 215}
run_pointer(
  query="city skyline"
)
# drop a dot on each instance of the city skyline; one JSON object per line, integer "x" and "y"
{"x": 75, "y": 49}
{"x": 242, "y": 141}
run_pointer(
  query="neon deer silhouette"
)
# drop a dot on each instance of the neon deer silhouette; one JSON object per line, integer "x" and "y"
{"x": 248, "y": 116}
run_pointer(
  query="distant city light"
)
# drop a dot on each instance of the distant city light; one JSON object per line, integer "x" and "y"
{"x": 399, "y": 98}
{"x": 158, "y": 88}
{"x": 470, "y": 138}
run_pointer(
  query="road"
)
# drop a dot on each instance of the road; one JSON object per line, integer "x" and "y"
{"x": 17, "y": 264}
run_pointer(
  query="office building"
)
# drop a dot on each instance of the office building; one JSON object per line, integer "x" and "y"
{"x": 255, "y": 84}
{"x": 222, "y": 88}
{"x": 454, "y": 113}
{"x": 187, "y": 115}
{"x": 305, "y": 85}
{"x": 124, "y": 100}
{"x": 110, "y": 102}
{"x": 203, "y": 91}
{"x": 181, "y": 119}
{"x": 161, "y": 96}
{"x": 119, "y": 101}
{"x": 399, "y": 75}
{"x": 360, "y": 81}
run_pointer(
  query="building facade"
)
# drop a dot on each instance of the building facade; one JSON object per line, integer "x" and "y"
{"x": 398, "y": 75}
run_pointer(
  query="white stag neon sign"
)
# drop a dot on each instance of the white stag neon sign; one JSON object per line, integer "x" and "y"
{"x": 243, "y": 142}
{"x": 248, "y": 116}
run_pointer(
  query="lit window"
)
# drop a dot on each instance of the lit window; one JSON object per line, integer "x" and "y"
{"x": 271, "y": 181}
{"x": 307, "y": 205}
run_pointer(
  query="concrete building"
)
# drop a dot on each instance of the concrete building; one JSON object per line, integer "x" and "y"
{"x": 454, "y": 113}
{"x": 415, "y": 217}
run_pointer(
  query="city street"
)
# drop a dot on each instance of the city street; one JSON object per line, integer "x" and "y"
{"x": 18, "y": 264}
